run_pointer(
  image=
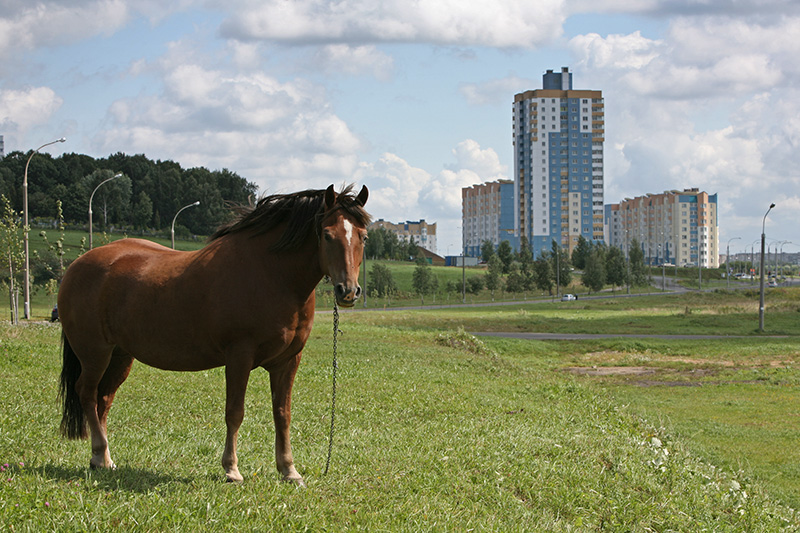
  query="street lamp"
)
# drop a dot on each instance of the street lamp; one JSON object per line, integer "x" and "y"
{"x": 26, "y": 229}
{"x": 782, "y": 261}
{"x": 728, "y": 260}
{"x": 761, "y": 300}
{"x": 117, "y": 175}
{"x": 172, "y": 230}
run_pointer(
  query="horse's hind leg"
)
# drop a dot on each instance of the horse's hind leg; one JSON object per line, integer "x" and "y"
{"x": 117, "y": 371}
{"x": 92, "y": 371}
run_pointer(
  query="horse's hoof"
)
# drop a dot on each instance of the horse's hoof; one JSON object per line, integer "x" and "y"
{"x": 93, "y": 466}
{"x": 231, "y": 478}
{"x": 296, "y": 480}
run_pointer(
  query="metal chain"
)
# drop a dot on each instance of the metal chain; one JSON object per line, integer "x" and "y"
{"x": 333, "y": 395}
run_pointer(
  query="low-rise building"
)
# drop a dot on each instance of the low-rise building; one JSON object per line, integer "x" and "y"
{"x": 419, "y": 231}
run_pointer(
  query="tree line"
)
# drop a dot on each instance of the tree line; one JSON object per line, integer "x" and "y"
{"x": 145, "y": 197}
{"x": 519, "y": 272}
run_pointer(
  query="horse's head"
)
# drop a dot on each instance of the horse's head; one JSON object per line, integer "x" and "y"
{"x": 342, "y": 237}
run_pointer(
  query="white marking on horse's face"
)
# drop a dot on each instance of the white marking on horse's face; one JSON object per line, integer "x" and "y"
{"x": 348, "y": 231}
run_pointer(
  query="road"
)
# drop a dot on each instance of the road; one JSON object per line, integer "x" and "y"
{"x": 584, "y": 336}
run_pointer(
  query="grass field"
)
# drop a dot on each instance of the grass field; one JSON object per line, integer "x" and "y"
{"x": 436, "y": 431}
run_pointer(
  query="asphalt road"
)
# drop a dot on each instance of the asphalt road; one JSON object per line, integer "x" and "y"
{"x": 582, "y": 336}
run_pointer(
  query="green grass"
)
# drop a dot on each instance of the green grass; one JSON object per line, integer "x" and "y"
{"x": 716, "y": 313}
{"x": 436, "y": 431}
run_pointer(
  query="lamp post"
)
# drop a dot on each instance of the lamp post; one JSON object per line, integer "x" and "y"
{"x": 26, "y": 228}
{"x": 753, "y": 260}
{"x": 783, "y": 263}
{"x": 728, "y": 260}
{"x": 172, "y": 230}
{"x": 117, "y": 175}
{"x": 464, "y": 268}
{"x": 761, "y": 298}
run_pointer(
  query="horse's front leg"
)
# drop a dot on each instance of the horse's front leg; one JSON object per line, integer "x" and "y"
{"x": 281, "y": 380}
{"x": 236, "y": 377}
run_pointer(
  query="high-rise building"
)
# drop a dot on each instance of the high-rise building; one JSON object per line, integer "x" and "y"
{"x": 678, "y": 227}
{"x": 487, "y": 215}
{"x": 558, "y": 163}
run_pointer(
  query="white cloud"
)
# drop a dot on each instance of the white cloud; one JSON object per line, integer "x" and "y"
{"x": 502, "y": 23}
{"x": 266, "y": 129}
{"x": 399, "y": 191}
{"x": 349, "y": 60}
{"x": 615, "y": 51}
{"x": 21, "y": 110}
{"x": 494, "y": 91}
{"x": 28, "y": 25}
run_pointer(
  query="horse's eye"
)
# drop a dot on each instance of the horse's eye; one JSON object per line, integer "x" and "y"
{"x": 328, "y": 236}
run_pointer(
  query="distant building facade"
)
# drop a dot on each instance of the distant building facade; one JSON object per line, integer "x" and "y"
{"x": 422, "y": 233}
{"x": 558, "y": 163}
{"x": 487, "y": 214}
{"x": 678, "y": 227}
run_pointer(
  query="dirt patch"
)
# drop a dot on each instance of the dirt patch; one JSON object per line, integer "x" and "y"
{"x": 611, "y": 370}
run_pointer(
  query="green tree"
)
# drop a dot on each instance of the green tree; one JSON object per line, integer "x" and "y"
{"x": 423, "y": 280}
{"x": 143, "y": 211}
{"x": 492, "y": 276}
{"x": 506, "y": 255}
{"x": 474, "y": 284}
{"x": 594, "y": 271}
{"x": 560, "y": 263}
{"x": 515, "y": 281}
{"x": 381, "y": 281}
{"x": 374, "y": 247}
{"x": 412, "y": 250}
{"x": 616, "y": 271}
{"x": 487, "y": 250}
{"x": 11, "y": 253}
{"x": 55, "y": 248}
{"x": 543, "y": 273}
{"x": 581, "y": 253}
{"x": 525, "y": 257}
{"x": 638, "y": 272}
{"x": 111, "y": 201}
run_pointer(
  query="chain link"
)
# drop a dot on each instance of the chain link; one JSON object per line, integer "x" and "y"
{"x": 333, "y": 395}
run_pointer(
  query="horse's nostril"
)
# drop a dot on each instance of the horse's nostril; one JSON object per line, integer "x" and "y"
{"x": 338, "y": 289}
{"x": 358, "y": 291}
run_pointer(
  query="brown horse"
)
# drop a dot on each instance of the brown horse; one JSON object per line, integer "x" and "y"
{"x": 243, "y": 301}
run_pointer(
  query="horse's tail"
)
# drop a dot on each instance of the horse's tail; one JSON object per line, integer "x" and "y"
{"x": 73, "y": 424}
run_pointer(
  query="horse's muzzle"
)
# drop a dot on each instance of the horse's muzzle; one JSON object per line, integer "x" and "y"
{"x": 346, "y": 296}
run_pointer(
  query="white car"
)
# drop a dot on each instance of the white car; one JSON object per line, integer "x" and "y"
{"x": 568, "y": 298}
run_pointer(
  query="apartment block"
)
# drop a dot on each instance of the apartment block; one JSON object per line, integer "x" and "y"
{"x": 487, "y": 215}
{"x": 678, "y": 227}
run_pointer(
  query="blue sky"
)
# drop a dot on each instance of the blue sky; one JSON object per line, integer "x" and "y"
{"x": 414, "y": 99}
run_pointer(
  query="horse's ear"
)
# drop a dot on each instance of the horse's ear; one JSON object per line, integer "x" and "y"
{"x": 363, "y": 195}
{"x": 330, "y": 198}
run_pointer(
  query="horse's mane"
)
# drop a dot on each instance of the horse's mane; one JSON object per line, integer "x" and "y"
{"x": 301, "y": 211}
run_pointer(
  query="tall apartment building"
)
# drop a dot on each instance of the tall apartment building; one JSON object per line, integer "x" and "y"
{"x": 487, "y": 215}
{"x": 419, "y": 231}
{"x": 558, "y": 163}
{"x": 678, "y": 227}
